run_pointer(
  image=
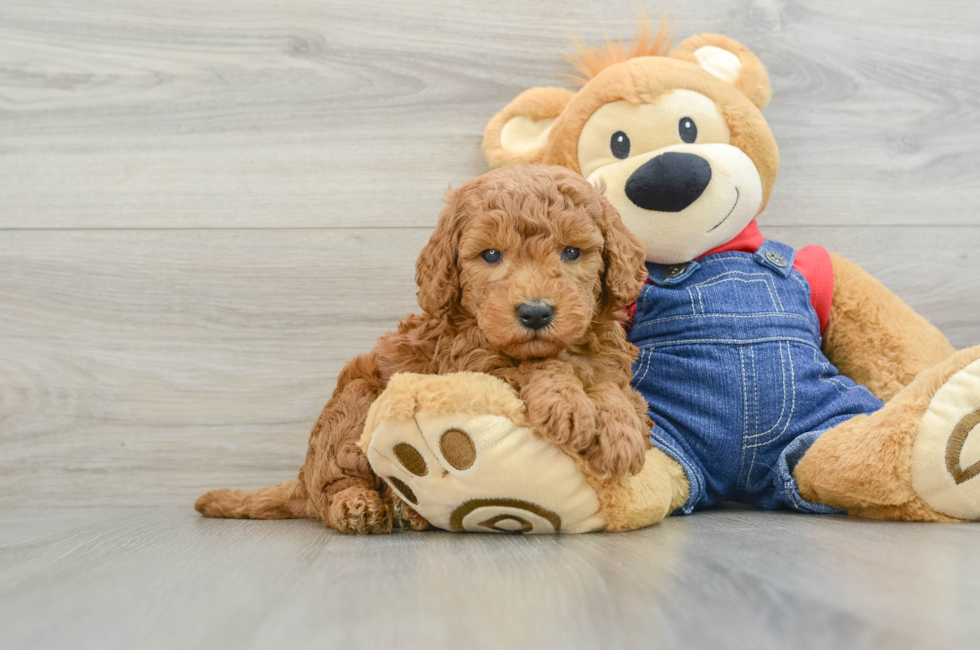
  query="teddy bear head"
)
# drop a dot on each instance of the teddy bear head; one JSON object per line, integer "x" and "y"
{"x": 676, "y": 136}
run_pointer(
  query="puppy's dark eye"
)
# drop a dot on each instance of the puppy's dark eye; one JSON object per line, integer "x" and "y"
{"x": 491, "y": 256}
{"x": 570, "y": 254}
{"x": 619, "y": 144}
{"x": 688, "y": 130}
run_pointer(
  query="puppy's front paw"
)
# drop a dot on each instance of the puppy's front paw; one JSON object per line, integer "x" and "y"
{"x": 618, "y": 453}
{"x": 560, "y": 411}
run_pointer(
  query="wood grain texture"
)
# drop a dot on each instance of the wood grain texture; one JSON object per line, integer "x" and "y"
{"x": 206, "y": 208}
{"x": 313, "y": 113}
{"x": 167, "y": 578}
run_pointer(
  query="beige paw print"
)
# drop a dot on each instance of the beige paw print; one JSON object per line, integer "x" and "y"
{"x": 474, "y": 471}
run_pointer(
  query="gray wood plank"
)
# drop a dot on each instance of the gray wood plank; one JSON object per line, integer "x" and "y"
{"x": 128, "y": 113}
{"x": 167, "y": 578}
{"x": 148, "y": 366}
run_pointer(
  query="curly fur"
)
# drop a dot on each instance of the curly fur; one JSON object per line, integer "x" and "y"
{"x": 573, "y": 375}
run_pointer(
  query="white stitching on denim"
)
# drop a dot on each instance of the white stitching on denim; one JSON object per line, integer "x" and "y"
{"x": 755, "y": 448}
{"x": 778, "y": 298}
{"x": 781, "y": 339}
{"x": 766, "y": 247}
{"x": 836, "y": 382}
{"x": 646, "y": 367}
{"x": 782, "y": 368}
{"x": 643, "y": 296}
{"x": 755, "y": 391}
{"x": 714, "y": 279}
{"x": 756, "y": 315}
{"x": 808, "y": 304}
{"x": 766, "y": 279}
{"x": 743, "y": 256}
{"x": 745, "y": 408}
{"x": 776, "y": 291}
{"x": 792, "y": 409}
{"x": 796, "y": 275}
{"x": 789, "y": 419}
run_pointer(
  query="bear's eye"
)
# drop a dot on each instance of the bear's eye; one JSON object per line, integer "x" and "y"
{"x": 688, "y": 130}
{"x": 491, "y": 256}
{"x": 570, "y": 254}
{"x": 619, "y": 144}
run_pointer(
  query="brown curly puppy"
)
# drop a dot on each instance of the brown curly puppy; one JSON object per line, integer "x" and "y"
{"x": 527, "y": 278}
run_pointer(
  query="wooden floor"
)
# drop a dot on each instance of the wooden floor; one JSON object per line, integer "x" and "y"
{"x": 165, "y": 578}
{"x": 206, "y": 208}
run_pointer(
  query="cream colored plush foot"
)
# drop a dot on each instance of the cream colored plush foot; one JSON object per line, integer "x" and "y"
{"x": 946, "y": 453}
{"x": 458, "y": 449}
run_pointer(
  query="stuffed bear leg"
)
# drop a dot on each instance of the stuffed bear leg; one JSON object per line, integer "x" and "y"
{"x": 876, "y": 339}
{"x": 460, "y": 450}
{"x": 916, "y": 459}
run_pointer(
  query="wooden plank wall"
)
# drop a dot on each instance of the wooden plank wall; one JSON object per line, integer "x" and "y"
{"x": 207, "y": 207}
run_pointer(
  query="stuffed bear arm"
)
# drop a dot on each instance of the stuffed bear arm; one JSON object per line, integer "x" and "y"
{"x": 873, "y": 337}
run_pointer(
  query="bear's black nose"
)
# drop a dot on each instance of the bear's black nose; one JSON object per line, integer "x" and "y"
{"x": 535, "y": 315}
{"x": 669, "y": 182}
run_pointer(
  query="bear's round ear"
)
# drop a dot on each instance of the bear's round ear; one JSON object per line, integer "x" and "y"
{"x": 730, "y": 61}
{"x": 519, "y": 133}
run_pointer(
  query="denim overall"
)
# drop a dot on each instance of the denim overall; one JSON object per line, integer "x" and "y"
{"x": 731, "y": 366}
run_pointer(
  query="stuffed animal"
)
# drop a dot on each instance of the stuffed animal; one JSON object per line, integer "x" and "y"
{"x": 777, "y": 377}
{"x": 461, "y": 449}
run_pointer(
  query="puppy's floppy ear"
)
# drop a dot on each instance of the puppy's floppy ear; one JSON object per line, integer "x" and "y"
{"x": 437, "y": 270}
{"x": 519, "y": 133}
{"x": 730, "y": 61}
{"x": 623, "y": 256}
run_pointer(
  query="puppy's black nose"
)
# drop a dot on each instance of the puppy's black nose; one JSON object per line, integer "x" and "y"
{"x": 535, "y": 315}
{"x": 669, "y": 182}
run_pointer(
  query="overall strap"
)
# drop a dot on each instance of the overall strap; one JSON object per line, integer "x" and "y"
{"x": 776, "y": 257}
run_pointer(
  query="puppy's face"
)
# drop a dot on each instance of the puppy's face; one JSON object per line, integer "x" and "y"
{"x": 533, "y": 276}
{"x": 535, "y": 255}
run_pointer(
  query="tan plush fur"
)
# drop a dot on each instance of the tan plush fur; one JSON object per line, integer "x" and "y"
{"x": 864, "y": 465}
{"x": 876, "y": 339}
{"x": 573, "y": 375}
{"x": 416, "y": 394}
{"x": 644, "y": 499}
{"x": 752, "y": 81}
{"x": 535, "y": 104}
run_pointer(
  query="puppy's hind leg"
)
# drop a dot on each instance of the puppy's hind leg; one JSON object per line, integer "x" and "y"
{"x": 343, "y": 491}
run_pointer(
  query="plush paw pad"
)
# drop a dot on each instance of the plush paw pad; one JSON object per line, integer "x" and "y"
{"x": 946, "y": 454}
{"x": 479, "y": 472}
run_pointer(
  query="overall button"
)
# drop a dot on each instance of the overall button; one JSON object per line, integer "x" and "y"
{"x": 776, "y": 259}
{"x": 675, "y": 270}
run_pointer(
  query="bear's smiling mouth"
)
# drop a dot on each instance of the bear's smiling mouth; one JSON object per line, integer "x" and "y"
{"x": 729, "y": 212}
